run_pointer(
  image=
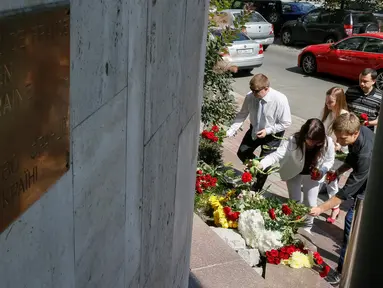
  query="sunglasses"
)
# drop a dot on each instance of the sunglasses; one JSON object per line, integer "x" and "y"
{"x": 258, "y": 90}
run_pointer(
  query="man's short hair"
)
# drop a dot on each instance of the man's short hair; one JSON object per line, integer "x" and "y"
{"x": 369, "y": 71}
{"x": 347, "y": 123}
{"x": 259, "y": 81}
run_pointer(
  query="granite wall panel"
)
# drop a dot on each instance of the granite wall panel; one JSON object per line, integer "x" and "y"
{"x": 184, "y": 199}
{"x": 99, "y": 159}
{"x": 37, "y": 249}
{"x": 99, "y": 40}
{"x": 137, "y": 15}
{"x": 122, "y": 215}
{"x": 164, "y": 59}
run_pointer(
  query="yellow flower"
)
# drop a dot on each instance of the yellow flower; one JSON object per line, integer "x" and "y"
{"x": 300, "y": 260}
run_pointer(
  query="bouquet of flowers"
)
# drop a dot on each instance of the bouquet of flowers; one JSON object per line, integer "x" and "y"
{"x": 296, "y": 256}
{"x": 204, "y": 181}
{"x": 214, "y": 134}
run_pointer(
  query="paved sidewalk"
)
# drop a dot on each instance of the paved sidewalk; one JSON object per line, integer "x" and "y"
{"x": 326, "y": 237}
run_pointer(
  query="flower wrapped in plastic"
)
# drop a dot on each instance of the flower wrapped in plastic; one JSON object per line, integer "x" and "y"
{"x": 251, "y": 225}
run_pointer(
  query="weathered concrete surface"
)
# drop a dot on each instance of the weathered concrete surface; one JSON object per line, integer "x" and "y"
{"x": 122, "y": 215}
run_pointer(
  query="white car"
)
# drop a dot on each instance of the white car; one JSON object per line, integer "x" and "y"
{"x": 243, "y": 52}
{"x": 257, "y": 28}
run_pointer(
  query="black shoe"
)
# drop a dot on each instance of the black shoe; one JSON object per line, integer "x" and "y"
{"x": 333, "y": 278}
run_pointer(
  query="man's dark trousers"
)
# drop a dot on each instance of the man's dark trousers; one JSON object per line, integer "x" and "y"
{"x": 268, "y": 145}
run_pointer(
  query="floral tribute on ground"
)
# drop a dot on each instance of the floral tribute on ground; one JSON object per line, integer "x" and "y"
{"x": 296, "y": 256}
{"x": 223, "y": 198}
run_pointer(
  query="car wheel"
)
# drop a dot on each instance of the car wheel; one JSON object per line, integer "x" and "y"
{"x": 309, "y": 64}
{"x": 273, "y": 17}
{"x": 265, "y": 47}
{"x": 286, "y": 37}
{"x": 330, "y": 39}
{"x": 379, "y": 80}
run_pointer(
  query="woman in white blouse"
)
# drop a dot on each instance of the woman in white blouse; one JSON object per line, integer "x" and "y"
{"x": 298, "y": 156}
{"x": 335, "y": 105}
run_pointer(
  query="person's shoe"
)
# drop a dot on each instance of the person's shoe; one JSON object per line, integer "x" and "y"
{"x": 333, "y": 278}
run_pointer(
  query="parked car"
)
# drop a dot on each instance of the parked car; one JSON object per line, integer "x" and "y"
{"x": 257, "y": 28}
{"x": 346, "y": 58}
{"x": 270, "y": 9}
{"x": 328, "y": 26}
{"x": 243, "y": 52}
{"x": 294, "y": 10}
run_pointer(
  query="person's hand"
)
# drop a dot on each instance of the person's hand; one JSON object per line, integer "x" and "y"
{"x": 261, "y": 133}
{"x": 233, "y": 69}
{"x": 316, "y": 211}
{"x": 366, "y": 123}
{"x": 338, "y": 147}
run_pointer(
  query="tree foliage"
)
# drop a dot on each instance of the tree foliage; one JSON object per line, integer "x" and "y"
{"x": 218, "y": 104}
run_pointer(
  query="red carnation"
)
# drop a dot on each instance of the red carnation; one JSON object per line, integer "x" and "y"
{"x": 364, "y": 116}
{"x": 215, "y": 128}
{"x": 226, "y": 209}
{"x": 318, "y": 259}
{"x": 325, "y": 271}
{"x": 315, "y": 174}
{"x": 286, "y": 209}
{"x": 199, "y": 172}
{"x": 272, "y": 214}
{"x": 246, "y": 177}
{"x": 331, "y": 176}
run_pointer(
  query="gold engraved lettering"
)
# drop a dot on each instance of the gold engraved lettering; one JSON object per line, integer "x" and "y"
{"x": 9, "y": 168}
{"x": 5, "y": 74}
{"x": 6, "y": 105}
{"x": 20, "y": 186}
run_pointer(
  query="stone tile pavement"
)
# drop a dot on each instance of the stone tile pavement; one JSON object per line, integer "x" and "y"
{"x": 327, "y": 237}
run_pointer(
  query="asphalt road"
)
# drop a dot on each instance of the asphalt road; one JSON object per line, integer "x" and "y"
{"x": 306, "y": 94}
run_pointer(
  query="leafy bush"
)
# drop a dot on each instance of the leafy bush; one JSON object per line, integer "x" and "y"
{"x": 210, "y": 152}
{"x": 218, "y": 104}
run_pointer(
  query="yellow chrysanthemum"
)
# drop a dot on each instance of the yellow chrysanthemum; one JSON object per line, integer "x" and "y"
{"x": 300, "y": 260}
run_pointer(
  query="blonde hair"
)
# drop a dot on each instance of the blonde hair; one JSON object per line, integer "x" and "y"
{"x": 347, "y": 123}
{"x": 340, "y": 100}
{"x": 259, "y": 81}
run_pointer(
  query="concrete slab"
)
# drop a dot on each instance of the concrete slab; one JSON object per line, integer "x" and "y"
{"x": 277, "y": 274}
{"x": 214, "y": 264}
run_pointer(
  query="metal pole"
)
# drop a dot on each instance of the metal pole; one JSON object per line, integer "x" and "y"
{"x": 349, "y": 260}
{"x": 368, "y": 264}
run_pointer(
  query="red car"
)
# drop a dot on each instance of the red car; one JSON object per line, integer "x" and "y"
{"x": 346, "y": 58}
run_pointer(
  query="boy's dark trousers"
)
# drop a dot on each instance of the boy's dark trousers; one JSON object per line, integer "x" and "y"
{"x": 268, "y": 145}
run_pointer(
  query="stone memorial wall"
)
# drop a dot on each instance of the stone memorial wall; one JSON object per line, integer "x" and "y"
{"x": 99, "y": 122}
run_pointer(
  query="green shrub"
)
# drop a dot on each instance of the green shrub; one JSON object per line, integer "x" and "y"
{"x": 210, "y": 152}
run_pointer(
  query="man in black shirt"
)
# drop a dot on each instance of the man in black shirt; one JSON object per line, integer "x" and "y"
{"x": 359, "y": 140}
{"x": 365, "y": 98}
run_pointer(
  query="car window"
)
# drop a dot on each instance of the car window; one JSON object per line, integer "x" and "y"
{"x": 352, "y": 44}
{"x": 256, "y": 17}
{"x": 241, "y": 37}
{"x": 312, "y": 16}
{"x": 307, "y": 7}
{"x": 287, "y": 8}
{"x": 373, "y": 45}
{"x": 363, "y": 18}
{"x": 324, "y": 17}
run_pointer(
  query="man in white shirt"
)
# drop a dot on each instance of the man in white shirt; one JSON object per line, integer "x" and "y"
{"x": 269, "y": 117}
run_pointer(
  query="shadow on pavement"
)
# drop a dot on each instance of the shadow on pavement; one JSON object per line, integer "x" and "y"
{"x": 193, "y": 281}
{"x": 324, "y": 77}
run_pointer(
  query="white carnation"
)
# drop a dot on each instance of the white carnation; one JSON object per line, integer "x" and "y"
{"x": 252, "y": 228}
